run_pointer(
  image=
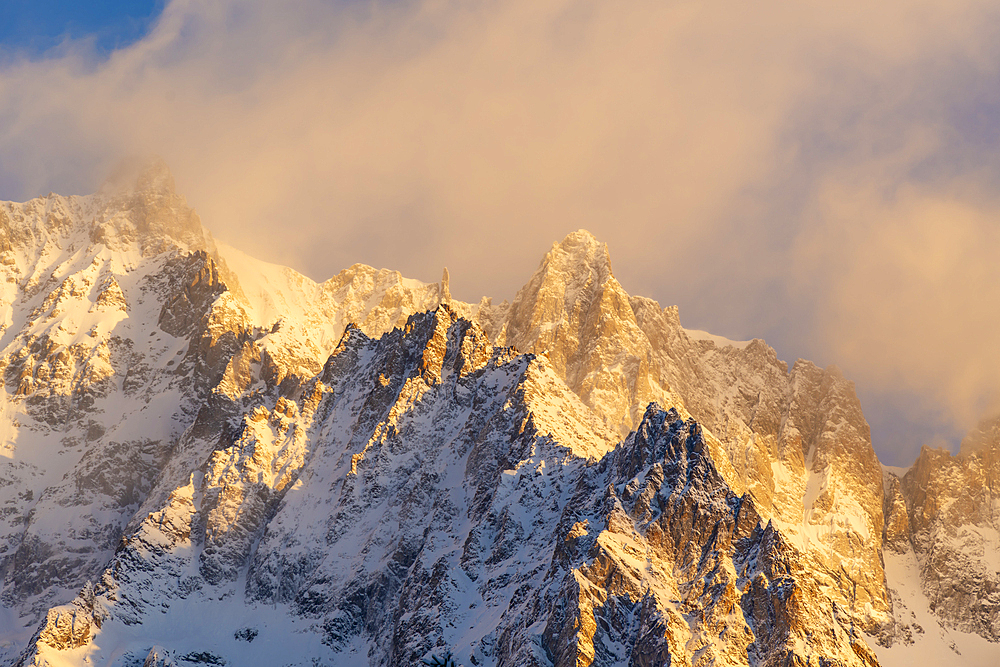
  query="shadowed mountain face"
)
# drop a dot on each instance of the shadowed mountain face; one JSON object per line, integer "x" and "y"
{"x": 212, "y": 460}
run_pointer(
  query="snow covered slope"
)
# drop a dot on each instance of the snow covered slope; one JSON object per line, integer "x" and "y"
{"x": 305, "y": 320}
{"x": 103, "y": 297}
{"x": 121, "y": 325}
{"x": 207, "y": 459}
{"x": 943, "y": 553}
{"x": 429, "y": 492}
{"x": 797, "y": 440}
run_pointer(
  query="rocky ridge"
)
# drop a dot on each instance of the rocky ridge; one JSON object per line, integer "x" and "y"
{"x": 945, "y": 530}
{"x": 798, "y": 440}
{"x": 328, "y": 461}
{"x": 121, "y": 327}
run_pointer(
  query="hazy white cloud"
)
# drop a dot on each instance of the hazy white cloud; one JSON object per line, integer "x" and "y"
{"x": 811, "y": 172}
{"x": 910, "y": 287}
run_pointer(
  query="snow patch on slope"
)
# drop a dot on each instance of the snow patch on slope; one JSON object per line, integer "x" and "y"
{"x": 927, "y": 642}
{"x": 720, "y": 341}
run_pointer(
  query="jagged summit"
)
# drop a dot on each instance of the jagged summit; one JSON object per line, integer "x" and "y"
{"x": 132, "y": 175}
{"x": 577, "y": 258}
{"x": 985, "y": 435}
{"x": 139, "y": 204}
{"x": 179, "y": 454}
{"x": 136, "y": 210}
{"x": 582, "y": 246}
{"x": 575, "y": 312}
{"x": 572, "y": 276}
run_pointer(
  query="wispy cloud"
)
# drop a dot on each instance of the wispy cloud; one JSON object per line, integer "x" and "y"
{"x": 817, "y": 173}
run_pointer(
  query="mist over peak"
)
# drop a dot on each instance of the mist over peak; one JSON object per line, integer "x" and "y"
{"x": 140, "y": 175}
{"x": 796, "y": 174}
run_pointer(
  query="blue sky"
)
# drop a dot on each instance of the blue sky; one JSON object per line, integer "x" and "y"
{"x": 32, "y": 27}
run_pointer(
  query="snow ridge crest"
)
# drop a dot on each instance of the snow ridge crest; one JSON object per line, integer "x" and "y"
{"x": 392, "y": 473}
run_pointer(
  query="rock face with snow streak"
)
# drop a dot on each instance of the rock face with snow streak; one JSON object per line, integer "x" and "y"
{"x": 105, "y": 299}
{"x": 797, "y": 440}
{"x": 660, "y": 539}
{"x": 575, "y": 312}
{"x": 213, "y": 460}
{"x": 428, "y": 489}
{"x": 953, "y": 528}
{"x": 122, "y": 329}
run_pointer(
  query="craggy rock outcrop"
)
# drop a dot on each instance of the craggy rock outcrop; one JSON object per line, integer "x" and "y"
{"x": 797, "y": 441}
{"x": 428, "y": 492}
{"x": 212, "y": 460}
{"x": 676, "y": 568}
{"x": 123, "y": 329}
{"x": 954, "y": 528}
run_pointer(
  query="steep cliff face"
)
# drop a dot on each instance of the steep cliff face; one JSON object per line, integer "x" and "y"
{"x": 213, "y": 460}
{"x": 953, "y": 526}
{"x": 941, "y": 563}
{"x": 124, "y": 332}
{"x": 667, "y": 565}
{"x": 104, "y": 345}
{"x": 797, "y": 441}
{"x": 429, "y": 492}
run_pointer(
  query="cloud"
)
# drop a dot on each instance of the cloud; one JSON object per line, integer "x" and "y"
{"x": 774, "y": 168}
{"x": 910, "y": 286}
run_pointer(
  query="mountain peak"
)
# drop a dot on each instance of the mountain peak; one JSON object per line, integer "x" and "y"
{"x": 146, "y": 174}
{"x": 140, "y": 204}
{"x": 579, "y": 236}
{"x": 577, "y": 264}
{"x": 580, "y": 248}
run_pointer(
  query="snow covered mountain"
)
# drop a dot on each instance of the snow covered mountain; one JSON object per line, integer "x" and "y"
{"x": 207, "y": 459}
